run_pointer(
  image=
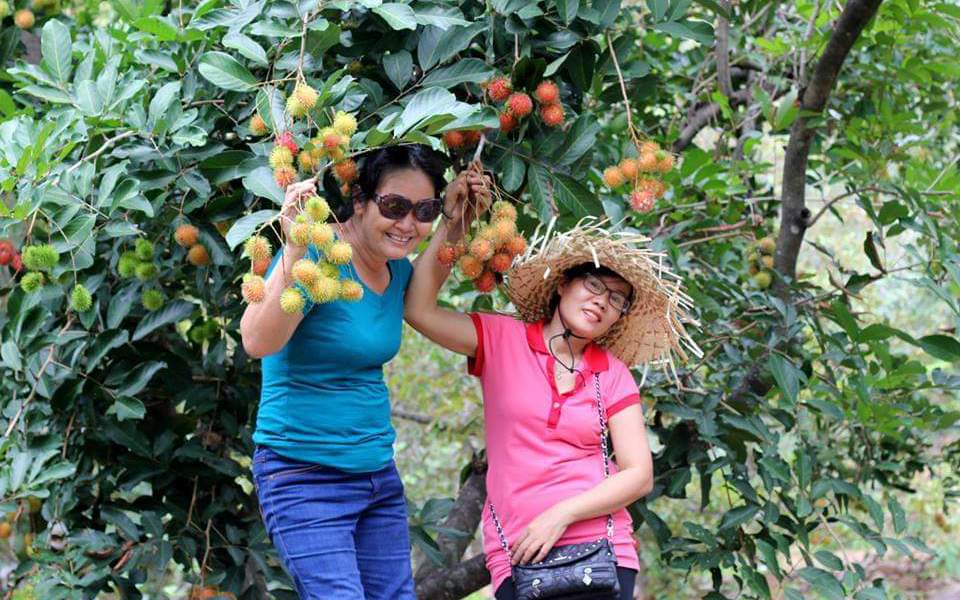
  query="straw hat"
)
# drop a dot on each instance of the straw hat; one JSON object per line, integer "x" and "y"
{"x": 651, "y": 332}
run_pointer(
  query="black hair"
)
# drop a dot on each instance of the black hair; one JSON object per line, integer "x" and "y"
{"x": 577, "y": 271}
{"x": 376, "y": 164}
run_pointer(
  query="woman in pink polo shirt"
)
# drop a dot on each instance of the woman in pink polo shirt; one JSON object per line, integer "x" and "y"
{"x": 590, "y": 304}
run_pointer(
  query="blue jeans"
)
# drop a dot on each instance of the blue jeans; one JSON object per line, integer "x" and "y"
{"x": 339, "y": 534}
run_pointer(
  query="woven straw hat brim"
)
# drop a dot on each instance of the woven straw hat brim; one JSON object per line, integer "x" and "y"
{"x": 651, "y": 332}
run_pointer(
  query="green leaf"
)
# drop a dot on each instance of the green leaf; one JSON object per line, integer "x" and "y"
{"x": 738, "y": 516}
{"x": 260, "y": 182}
{"x": 170, "y": 313}
{"x": 540, "y": 186}
{"x": 161, "y": 28}
{"x": 898, "y": 515}
{"x": 246, "y": 46}
{"x": 829, "y": 560}
{"x": 823, "y": 583}
{"x": 88, "y": 98}
{"x": 875, "y": 510}
{"x": 436, "y": 46}
{"x": 943, "y": 347}
{"x": 579, "y": 140}
{"x": 126, "y": 407}
{"x": 161, "y": 102}
{"x": 514, "y": 170}
{"x": 61, "y": 470}
{"x": 245, "y": 226}
{"x": 472, "y": 70}
{"x": 104, "y": 343}
{"x": 787, "y": 376}
{"x": 47, "y": 93}
{"x": 224, "y": 71}
{"x": 581, "y": 63}
{"x": 120, "y": 305}
{"x": 427, "y": 104}
{"x": 56, "y": 48}
{"x": 270, "y": 107}
{"x": 133, "y": 382}
{"x": 567, "y": 9}
{"x": 443, "y": 19}
{"x": 399, "y": 68}
{"x": 575, "y": 197}
{"x": 870, "y": 249}
{"x": 398, "y": 16}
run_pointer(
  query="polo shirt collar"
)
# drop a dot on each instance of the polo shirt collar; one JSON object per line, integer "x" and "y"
{"x": 594, "y": 357}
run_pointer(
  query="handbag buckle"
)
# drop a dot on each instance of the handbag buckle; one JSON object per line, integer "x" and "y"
{"x": 587, "y": 580}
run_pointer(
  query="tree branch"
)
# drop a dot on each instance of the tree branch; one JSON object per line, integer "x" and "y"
{"x": 456, "y": 582}
{"x": 793, "y": 211}
{"x": 724, "y": 82}
{"x": 464, "y": 516}
{"x": 703, "y": 115}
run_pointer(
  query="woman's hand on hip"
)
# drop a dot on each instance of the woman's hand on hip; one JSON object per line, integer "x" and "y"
{"x": 541, "y": 534}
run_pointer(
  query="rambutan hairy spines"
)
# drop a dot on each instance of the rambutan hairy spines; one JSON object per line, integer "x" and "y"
{"x": 501, "y": 262}
{"x": 258, "y": 126}
{"x": 502, "y": 209}
{"x": 345, "y": 123}
{"x": 258, "y": 248}
{"x": 613, "y": 176}
{"x": 481, "y": 249}
{"x": 629, "y": 168}
{"x": 41, "y": 257}
{"x": 306, "y": 95}
{"x": 80, "y": 298}
{"x": 519, "y": 104}
{"x": 552, "y": 115}
{"x": 499, "y": 89}
{"x": 284, "y": 176}
{"x": 321, "y": 234}
{"x": 152, "y": 300}
{"x": 547, "y": 92}
{"x": 292, "y": 301}
{"x": 286, "y": 139}
{"x": 300, "y": 231}
{"x": 507, "y": 122}
{"x": 486, "y": 282}
{"x": 642, "y": 200}
{"x": 32, "y": 282}
{"x": 305, "y": 272}
{"x": 339, "y": 253}
{"x": 259, "y": 267}
{"x": 351, "y": 291}
{"x": 470, "y": 266}
{"x": 198, "y": 255}
{"x": 186, "y": 235}
{"x": 454, "y": 139}
{"x": 324, "y": 289}
{"x": 447, "y": 255}
{"x": 517, "y": 246}
{"x": 280, "y": 156}
{"x": 346, "y": 171}
{"x": 253, "y": 289}
{"x": 317, "y": 208}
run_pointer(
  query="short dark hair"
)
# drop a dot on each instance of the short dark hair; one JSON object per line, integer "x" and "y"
{"x": 378, "y": 163}
{"x": 580, "y": 270}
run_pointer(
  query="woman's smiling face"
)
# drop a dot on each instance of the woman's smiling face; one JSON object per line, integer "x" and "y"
{"x": 587, "y": 313}
{"x": 395, "y": 239}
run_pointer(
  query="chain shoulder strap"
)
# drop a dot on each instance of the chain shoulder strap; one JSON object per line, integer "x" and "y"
{"x": 602, "y": 414}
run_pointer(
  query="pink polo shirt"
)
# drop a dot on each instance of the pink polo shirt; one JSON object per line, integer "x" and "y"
{"x": 543, "y": 446}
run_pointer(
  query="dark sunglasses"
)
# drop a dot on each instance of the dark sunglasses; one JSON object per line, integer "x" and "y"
{"x": 396, "y": 207}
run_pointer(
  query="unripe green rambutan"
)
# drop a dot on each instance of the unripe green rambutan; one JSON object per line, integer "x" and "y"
{"x": 339, "y": 253}
{"x": 127, "y": 264}
{"x": 280, "y": 156}
{"x": 32, "y": 282}
{"x": 291, "y": 301}
{"x": 80, "y": 298}
{"x": 321, "y": 234}
{"x": 144, "y": 249}
{"x": 317, "y": 208}
{"x": 324, "y": 289}
{"x": 305, "y": 272}
{"x": 345, "y": 123}
{"x": 41, "y": 257}
{"x": 152, "y": 299}
{"x": 300, "y": 231}
{"x": 351, "y": 291}
{"x": 257, "y": 248}
{"x": 145, "y": 271}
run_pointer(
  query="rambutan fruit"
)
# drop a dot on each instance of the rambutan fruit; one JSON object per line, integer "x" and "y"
{"x": 345, "y": 123}
{"x": 507, "y": 122}
{"x": 280, "y": 156}
{"x": 143, "y": 249}
{"x": 198, "y": 256}
{"x": 547, "y": 92}
{"x": 32, "y": 282}
{"x": 346, "y": 171}
{"x": 306, "y": 95}
{"x": 284, "y": 176}
{"x": 296, "y": 108}
{"x": 642, "y": 200}
{"x": 519, "y": 104}
{"x": 500, "y": 262}
{"x": 517, "y": 246}
{"x": 470, "y": 266}
{"x": 152, "y": 300}
{"x": 292, "y": 301}
{"x": 80, "y": 298}
{"x": 351, "y": 291}
{"x": 259, "y": 267}
{"x": 499, "y": 89}
{"x": 647, "y": 163}
{"x": 258, "y": 126}
{"x": 300, "y": 231}
{"x": 485, "y": 283}
{"x": 454, "y": 140}
{"x": 481, "y": 249}
{"x": 613, "y": 177}
{"x": 146, "y": 271}
{"x": 186, "y": 235}
{"x": 317, "y": 208}
{"x": 321, "y": 234}
{"x": 42, "y": 257}
{"x": 325, "y": 289}
{"x": 305, "y": 272}
{"x": 629, "y": 168}
{"x": 127, "y": 264}
{"x": 286, "y": 139}
{"x": 447, "y": 255}
{"x": 339, "y": 253}
{"x": 552, "y": 115}
{"x": 665, "y": 161}
{"x": 502, "y": 209}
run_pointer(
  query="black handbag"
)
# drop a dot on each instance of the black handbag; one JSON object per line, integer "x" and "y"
{"x": 586, "y": 571}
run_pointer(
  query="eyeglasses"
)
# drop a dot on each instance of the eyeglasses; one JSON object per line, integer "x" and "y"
{"x": 596, "y": 286}
{"x": 396, "y": 207}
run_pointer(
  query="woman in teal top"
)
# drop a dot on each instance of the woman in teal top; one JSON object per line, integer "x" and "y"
{"x": 331, "y": 498}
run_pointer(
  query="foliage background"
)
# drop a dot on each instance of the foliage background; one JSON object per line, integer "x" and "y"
{"x": 790, "y": 457}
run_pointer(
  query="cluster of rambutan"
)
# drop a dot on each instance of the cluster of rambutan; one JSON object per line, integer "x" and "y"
{"x": 317, "y": 281}
{"x": 139, "y": 263}
{"x": 188, "y": 236}
{"x": 761, "y": 262}
{"x": 10, "y": 256}
{"x": 484, "y": 258}
{"x": 643, "y": 174}
{"x": 519, "y": 104}
{"x": 462, "y": 140}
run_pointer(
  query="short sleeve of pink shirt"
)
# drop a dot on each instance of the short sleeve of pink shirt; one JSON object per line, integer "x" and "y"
{"x": 543, "y": 446}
